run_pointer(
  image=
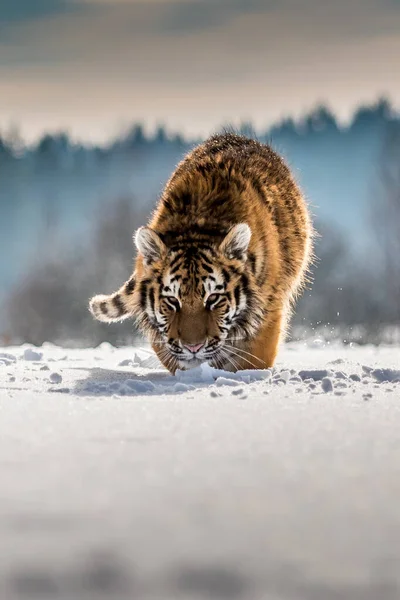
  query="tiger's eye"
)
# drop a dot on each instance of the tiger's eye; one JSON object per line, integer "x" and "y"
{"x": 172, "y": 302}
{"x": 213, "y": 301}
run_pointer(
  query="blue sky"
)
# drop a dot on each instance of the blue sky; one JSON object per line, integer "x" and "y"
{"x": 94, "y": 66}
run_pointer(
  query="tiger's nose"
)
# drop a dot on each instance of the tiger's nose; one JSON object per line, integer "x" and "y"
{"x": 193, "y": 347}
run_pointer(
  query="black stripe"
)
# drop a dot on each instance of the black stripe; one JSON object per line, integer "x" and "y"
{"x": 143, "y": 294}
{"x": 118, "y": 304}
{"x": 151, "y": 298}
{"x": 205, "y": 258}
{"x": 225, "y": 275}
{"x": 183, "y": 245}
{"x": 176, "y": 268}
{"x": 198, "y": 230}
{"x": 237, "y": 295}
{"x": 168, "y": 206}
{"x": 203, "y": 169}
{"x": 173, "y": 303}
{"x": 130, "y": 286}
{"x": 236, "y": 253}
{"x": 252, "y": 260}
{"x": 103, "y": 308}
{"x": 242, "y": 320}
{"x": 257, "y": 185}
{"x": 207, "y": 268}
{"x": 234, "y": 270}
{"x": 186, "y": 198}
{"x": 175, "y": 260}
{"x": 245, "y": 283}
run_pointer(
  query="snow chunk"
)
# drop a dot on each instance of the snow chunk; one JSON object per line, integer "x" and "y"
{"x": 225, "y": 381}
{"x": 106, "y": 346}
{"x": 206, "y": 374}
{"x": 127, "y": 362}
{"x": 30, "y": 354}
{"x": 382, "y": 375}
{"x": 354, "y": 377}
{"x": 55, "y": 378}
{"x": 285, "y": 375}
{"x": 340, "y": 375}
{"x": 202, "y": 374}
{"x": 337, "y": 361}
{"x": 237, "y": 392}
{"x": 7, "y": 359}
{"x": 341, "y": 384}
{"x": 182, "y": 387}
{"x": 327, "y": 385}
{"x": 316, "y": 374}
{"x": 141, "y": 358}
{"x": 140, "y": 387}
{"x": 253, "y": 375}
{"x": 9, "y": 356}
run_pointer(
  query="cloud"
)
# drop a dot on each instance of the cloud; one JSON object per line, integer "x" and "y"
{"x": 191, "y": 63}
{"x": 174, "y": 15}
{"x": 204, "y": 14}
{"x": 15, "y": 11}
{"x": 146, "y": 38}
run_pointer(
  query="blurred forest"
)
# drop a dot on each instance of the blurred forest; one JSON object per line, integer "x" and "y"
{"x": 68, "y": 211}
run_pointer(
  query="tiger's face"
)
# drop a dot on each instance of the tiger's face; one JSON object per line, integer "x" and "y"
{"x": 197, "y": 300}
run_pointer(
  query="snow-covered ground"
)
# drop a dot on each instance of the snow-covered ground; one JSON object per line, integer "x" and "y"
{"x": 118, "y": 480}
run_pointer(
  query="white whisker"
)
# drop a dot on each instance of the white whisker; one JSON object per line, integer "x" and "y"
{"x": 230, "y": 360}
{"x": 249, "y": 354}
{"x": 228, "y": 349}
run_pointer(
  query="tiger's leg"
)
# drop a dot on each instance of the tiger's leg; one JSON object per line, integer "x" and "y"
{"x": 265, "y": 346}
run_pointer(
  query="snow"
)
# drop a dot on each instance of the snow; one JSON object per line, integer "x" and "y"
{"x": 119, "y": 480}
{"x": 315, "y": 374}
{"x": 30, "y": 354}
{"x": 326, "y": 384}
{"x": 383, "y": 375}
{"x": 55, "y": 378}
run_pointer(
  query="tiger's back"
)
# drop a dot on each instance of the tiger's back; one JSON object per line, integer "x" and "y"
{"x": 226, "y": 184}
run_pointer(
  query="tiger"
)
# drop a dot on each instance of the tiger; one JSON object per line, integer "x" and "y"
{"x": 222, "y": 260}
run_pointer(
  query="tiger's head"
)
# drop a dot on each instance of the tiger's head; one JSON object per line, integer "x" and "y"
{"x": 197, "y": 298}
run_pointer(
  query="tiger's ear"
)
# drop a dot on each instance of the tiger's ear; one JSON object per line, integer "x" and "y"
{"x": 149, "y": 244}
{"x": 236, "y": 242}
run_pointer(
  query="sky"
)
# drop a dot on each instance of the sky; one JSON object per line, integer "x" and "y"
{"x": 93, "y": 67}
